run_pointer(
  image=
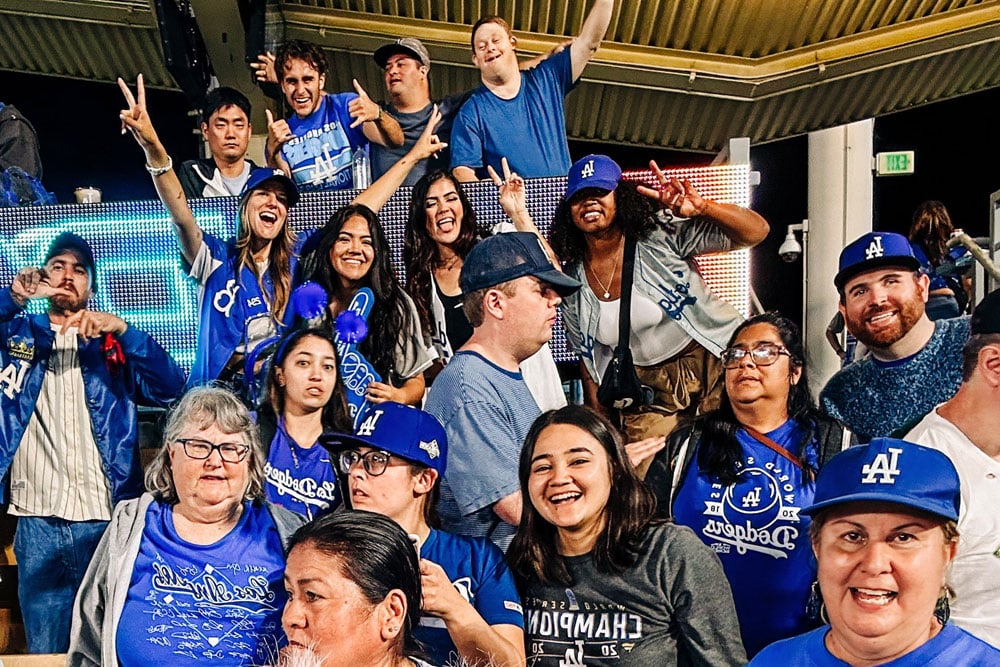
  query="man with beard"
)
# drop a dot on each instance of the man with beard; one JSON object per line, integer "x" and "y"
{"x": 69, "y": 382}
{"x": 914, "y": 363}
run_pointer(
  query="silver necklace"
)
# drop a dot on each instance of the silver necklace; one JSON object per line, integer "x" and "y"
{"x": 611, "y": 279}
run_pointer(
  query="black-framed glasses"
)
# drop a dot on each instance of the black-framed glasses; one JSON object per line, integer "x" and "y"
{"x": 375, "y": 461}
{"x": 231, "y": 452}
{"x": 762, "y": 354}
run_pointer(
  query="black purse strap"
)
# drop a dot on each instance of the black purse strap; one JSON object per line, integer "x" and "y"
{"x": 625, "y": 304}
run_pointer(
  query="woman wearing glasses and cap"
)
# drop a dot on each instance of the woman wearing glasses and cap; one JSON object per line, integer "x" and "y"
{"x": 677, "y": 326}
{"x": 741, "y": 474}
{"x": 884, "y": 532}
{"x": 191, "y": 571}
{"x": 393, "y": 466}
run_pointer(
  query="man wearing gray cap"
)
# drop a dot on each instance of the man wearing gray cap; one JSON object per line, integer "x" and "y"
{"x": 406, "y": 65}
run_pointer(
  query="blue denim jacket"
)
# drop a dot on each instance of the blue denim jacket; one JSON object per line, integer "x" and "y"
{"x": 149, "y": 376}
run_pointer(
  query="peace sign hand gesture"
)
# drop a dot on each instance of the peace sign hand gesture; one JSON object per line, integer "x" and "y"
{"x": 135, "y": 118}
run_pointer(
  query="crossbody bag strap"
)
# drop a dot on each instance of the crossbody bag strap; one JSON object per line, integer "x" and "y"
{"x": 778, "y": 449}
{"x": 625, "y": 303}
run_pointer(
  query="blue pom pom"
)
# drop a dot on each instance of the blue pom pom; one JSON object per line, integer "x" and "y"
{"x": 309, "y": 300}
{"x": 351, "y": 327}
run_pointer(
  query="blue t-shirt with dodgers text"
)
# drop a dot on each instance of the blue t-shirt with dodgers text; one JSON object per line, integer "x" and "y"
{"x": 298, "y": 478}
{"x": 190, "y": 604}
{"x": 321, "y": 153}
{"x": 759, "y": 533}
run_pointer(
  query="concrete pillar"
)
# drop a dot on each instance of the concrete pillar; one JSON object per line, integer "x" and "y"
{"x": 840, "y": 210}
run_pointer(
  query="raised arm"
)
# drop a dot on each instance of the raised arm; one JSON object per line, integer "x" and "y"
{"x": 514, "y": 203}
{"x": 591, "y": 34}
{"x": 744, "y": 227}
{"x": 136, "y": 120}
{"x": 379, "y": 127}
{"x": 379, "y": 192}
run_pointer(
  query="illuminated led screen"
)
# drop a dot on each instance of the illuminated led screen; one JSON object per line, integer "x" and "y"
{"x": 141, "y": 279}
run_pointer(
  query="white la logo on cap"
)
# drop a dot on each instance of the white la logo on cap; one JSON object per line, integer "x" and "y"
{"x": 885, "y": 465}
{"x": 368, "y": 425}
{"x": 588, "y": 169}
{"x": 431, "y": 448}
{"x": 875, "y": 248}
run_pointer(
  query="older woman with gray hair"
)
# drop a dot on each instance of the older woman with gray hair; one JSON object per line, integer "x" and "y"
{"x": 192, "y": 570}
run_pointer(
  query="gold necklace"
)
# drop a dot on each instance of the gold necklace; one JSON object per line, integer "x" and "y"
{"x": 611, "y": 279}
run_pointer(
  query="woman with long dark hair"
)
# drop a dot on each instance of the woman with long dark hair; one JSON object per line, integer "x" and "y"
{"x": 305, "y": 398}
{"x": 439, "y": 235}
{"x": 677, "y": 326}
{"x": 601, "y": 580}
{"x": 352, "y": 252}
{"x": 929, "y": 234}
{"x": 741, "y": 474}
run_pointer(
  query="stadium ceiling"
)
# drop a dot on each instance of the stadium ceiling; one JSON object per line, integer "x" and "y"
{"x": 681, "y": 74}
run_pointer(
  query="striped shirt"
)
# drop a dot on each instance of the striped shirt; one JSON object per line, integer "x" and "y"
{"x": 57, "y": 469}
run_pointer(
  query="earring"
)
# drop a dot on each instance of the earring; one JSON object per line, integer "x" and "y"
{"x": 815, "y": 609}
{"x": 942, "y": 610}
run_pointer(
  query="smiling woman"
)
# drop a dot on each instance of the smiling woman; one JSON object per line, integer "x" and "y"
{"x": 602, "y": 582}
{"x": 258, "y": 262}
{"x": 201, "y": 547}
{"x": 884, "y": 533}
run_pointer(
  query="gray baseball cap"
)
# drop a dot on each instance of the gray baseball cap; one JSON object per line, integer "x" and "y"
{"x": 409, "y": 46}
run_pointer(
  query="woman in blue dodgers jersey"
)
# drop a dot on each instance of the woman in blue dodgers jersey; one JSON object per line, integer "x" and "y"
{"x": 602, "y": 581}
{"x": 191, "y": 571}
{"x": 245, "y": 282}
{"x": 740, "y": 476}
{"x": 393, "y": 465}
{"x": 305, "y": 397}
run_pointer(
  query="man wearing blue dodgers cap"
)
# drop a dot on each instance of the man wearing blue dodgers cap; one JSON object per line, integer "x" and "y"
{"x": 967, "y": 429}
{"x": 914, "y": 363}
{"x": 884, "y": 536}
{"x": 393, "y": 465}
{"x": 511, "y": 290}
{"x": 244, "y": 282}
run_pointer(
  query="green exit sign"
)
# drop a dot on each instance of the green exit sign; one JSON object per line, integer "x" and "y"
{"x": 894, "y": 163}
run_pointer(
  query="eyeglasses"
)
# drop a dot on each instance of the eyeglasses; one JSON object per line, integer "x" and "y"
{"x": 764, "y": 354}
{"x": 375, "y": 462}
{"x": 231, "y": 452}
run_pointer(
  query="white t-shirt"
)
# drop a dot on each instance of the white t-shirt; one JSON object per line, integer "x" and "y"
{"x": 975, "y": 574}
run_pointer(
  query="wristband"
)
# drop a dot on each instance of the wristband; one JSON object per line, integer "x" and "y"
{"x": 159, "y": 171}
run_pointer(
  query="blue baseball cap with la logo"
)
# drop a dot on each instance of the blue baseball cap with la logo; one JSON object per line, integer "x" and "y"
{"x": 892, "y": 471}
{"x": 872, "y": 251}
{"x": 403, "y": 430}
{"x": 593, "y": 171}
